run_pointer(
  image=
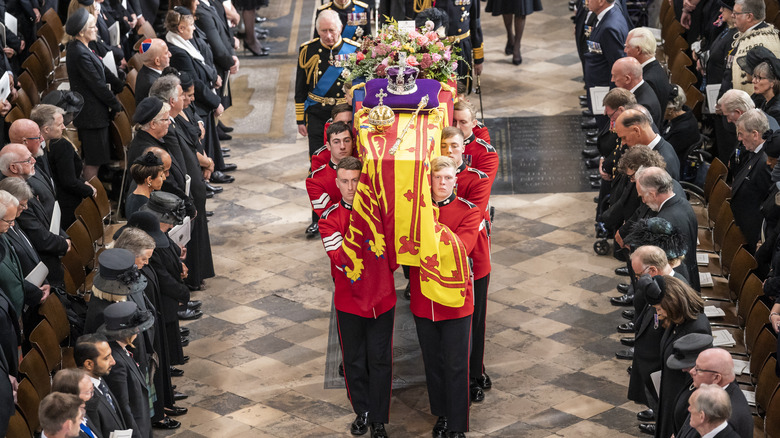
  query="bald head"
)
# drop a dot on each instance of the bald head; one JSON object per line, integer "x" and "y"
{"x": 719, "y": 360}
{"x": 634, "y": 127}
{"x": 17, "y": 161}
{"x": 27, "y": 133}
{"x": 626, "y": 72}
{"x": 157, "y": 56}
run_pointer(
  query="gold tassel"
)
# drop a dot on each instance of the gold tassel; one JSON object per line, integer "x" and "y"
{"x": 421, "y": 5}
{"x": 310, "y": 67}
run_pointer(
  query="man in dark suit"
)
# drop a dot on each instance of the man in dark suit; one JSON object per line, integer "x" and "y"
{"x": 710, "y": 409}
{"x": 156, "y": 57}
{"x": 716, "y": 367}
{"x": 656, "y": 188}
{"x": 627, "y": 73}
{"x": 603, "y": 47}
{"x": 93, "y": 354}
{"x": 750, "y": 176}
{"x": 634, "y": 127}
{"x": 641, "y": 46}
{"x": 27, "y": 133}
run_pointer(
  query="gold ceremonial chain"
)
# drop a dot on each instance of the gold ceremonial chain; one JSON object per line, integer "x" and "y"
{"x": 310, "y": 67}
{"x": 423, "y": 102}
{"x": 421, "y": 5}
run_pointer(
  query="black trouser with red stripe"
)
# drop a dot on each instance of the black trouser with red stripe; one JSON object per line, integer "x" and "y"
{"x": 445, "y": 350}
{"x": 476, "y": 364}
{"x": 367, "y": 350}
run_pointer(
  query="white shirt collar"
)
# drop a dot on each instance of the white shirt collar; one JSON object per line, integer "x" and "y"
{"x": 648, "y": 61}
{"x": 716, "y": 431}
{"x": 95, "y": 382}
{"x": 660, "y": 207}
{"x": 655, "y": 142}
{"x": 604, "y": 12}
{"x": 637, "y": 86}
{"x": 758, "y": 148}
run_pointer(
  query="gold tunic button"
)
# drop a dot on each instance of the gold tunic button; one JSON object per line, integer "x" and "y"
{"x": 319, "y": 50}
{"x": 319, "y": 72}
{"x": 462, "y": 8}
{"x": 338, "y": 94}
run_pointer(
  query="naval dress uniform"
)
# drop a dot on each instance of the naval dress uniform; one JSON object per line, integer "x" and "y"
{"x": 319, "y": 85}
{"x": 366, "y": 336}
{"x": 474, "y": 186}
{"x": 445, "y": 332}
{"x": 355, "y": 19}
{"x": 465, "y": 30}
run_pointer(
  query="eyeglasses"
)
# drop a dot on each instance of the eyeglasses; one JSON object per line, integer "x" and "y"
{"x": 697, "y": 370}
{"x": 33, "y": 138}
{"x": 27, "y": 161}
{"x": 756, "y": 77}
{"x": 11, "y": 222}
{"x": 740, "y": 13}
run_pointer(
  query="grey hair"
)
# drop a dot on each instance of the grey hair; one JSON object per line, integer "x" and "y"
{"x": 44, "y": 113}
{"x": 328, "y": 14}
{"x": 17, "y": 187}
{"x": 755, "y": 7}
{"x": 655, "y": 178}
{"x": 165, "y": 88}
{"x": 754, "y": 120}
{"x": 7, "y": 200}
{"x": 643, "y": 39}
{"x": 678, "y": 101}
{"x": 135, "y": 240}
{"x": 714, "y": 402}
{"x": 736, "y": 100}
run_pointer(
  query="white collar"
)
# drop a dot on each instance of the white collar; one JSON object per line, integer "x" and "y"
{"x": 655, "y": 142}
{"x": 95, "y": 382}
{"x": 604, "y": 12}
{"x": 716, "y": 431}
{"x": 637, "y": 86}
{"x": 660, "y": 207}
{"x": 648, "y": 61}
{"x": 758, "y": 148}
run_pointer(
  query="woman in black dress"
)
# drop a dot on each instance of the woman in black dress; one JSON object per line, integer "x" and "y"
{"x": 148, "y": 172}
{"x": 681, "y": 129}
{"x": 514, "y": 12}
{"x": 766, "y": 82}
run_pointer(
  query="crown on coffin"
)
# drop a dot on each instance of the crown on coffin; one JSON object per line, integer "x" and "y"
{"x": 402, "y": 80}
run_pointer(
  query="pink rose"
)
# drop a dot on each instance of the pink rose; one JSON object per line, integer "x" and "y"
{"x": 422, "y": 40}
{"x": 414, "y": 34}
{"x": 436, "y": 57}
{"x": 432, "y": 36}
{"x": 446, "y": 55}
{"x": 412, "y": 61}
{"x": 440, "y": 45}
{"x": 360, "y": 56}
{"x": 396, "y": 44}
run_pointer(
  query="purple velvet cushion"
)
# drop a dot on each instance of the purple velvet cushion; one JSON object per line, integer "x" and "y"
{"x": 409, "y": 102}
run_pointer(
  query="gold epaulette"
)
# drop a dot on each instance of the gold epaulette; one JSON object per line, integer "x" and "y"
{"x": 325, "y": 6}
{"x": 309, "y": 42}
{"x": 349, "y": 41}
{"x": 359, "y": 3}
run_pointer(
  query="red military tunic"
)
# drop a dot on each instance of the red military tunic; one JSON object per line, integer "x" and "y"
{"x": 474, "y": 186}
{"x": 481, "y": 131}
{"x": 463, "y": 218}
{"x": 321, "y": 187}
{"x": 334, "y": 224}
{"x": 479, "y": 154}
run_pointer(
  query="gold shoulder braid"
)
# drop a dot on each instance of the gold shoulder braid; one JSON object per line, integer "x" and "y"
{"x": 421, "y": 5}
{"x": 310, "y": 66}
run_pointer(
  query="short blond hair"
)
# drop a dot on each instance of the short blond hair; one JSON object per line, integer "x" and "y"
{"x": 440, "y": 163}
{"x": 462, "y": 105}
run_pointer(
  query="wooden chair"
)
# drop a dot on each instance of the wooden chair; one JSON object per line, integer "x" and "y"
{"x": 27, "y": 401}
{"x": 34, "y": 67}
{"x": 695, "y": 99}
{"x": 52, "y": 18}
{"x": 732, "y": 242}
{"x": 766, "y": 386}
{"x": 14, "y": 115}
{"x": 34, "y": 368}
{"x": 75, "y": 276}
{"x": 23, "y": 102}
{"x": 751, "y": 290}
{"x": 127, "y": 99}
{"x": 28, "y": 85}
{"x": 712, "y": 240}
{"x": 17, "y": 425}
{"x": 718, "y": 196}
{"x": 135, "y": 62}
{"x": 101, "y": 200}
{"x": 741, "y": 267}
{"x": 130, "y": 79}
{"x": 53, "y": 36}
{"x": 772, "y": 418}
{"x": 757, "y": 318}
{"x": 81, "y": 242}
{"x": 683, "y": 77}
{"x": 88, "y": 212}
{"x": 771, "y": 8}
{"x": 56, "y": 73}
{"x": 44, "y": 337}
{"x": 53, "y": 311}
{"x": 766, "y": 344}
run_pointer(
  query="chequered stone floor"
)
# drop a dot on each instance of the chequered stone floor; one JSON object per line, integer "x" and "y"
{"x": 259, "y": 354}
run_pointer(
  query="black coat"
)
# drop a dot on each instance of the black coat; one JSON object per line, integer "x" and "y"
{"x": 43, "y": 189}
{"x": 610, "y": 33}
{"x": 162, "y": 378}
{"x": 719, "y": 49}
{"x": 129, "y": 387}
{"x": 749, "y": 187}
{"x": 50, "y": 246}
{"x": 66, "y": 166}
{"x": 656, "y": 77}
{"x": 105, "y": 418}
{"x": 679, "y": 213}
{"x": 203, "y": 74}
{"x": 645, "y": 96}
{"x": 772, "y": 107}
{"x": 673, "y": 380}
{"x": 682, "y": 132}
{"x": 217, "y": 35}
{"x": 90, "y": 78}
{"x": 670, "y": 156}
{"x": 143, "y": 83}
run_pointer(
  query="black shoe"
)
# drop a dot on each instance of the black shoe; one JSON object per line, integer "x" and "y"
{"x": 628, "y": 314}
{"x": 224, "y": 127}
{"x": 628, "y": 370}
{"x": 179, "y": 396}
{"x": 224, "y": 149}
{"x": 312, "y": 230}
{"x": 625, "y": 354}
{"x": 264, "y": 51}
{"x": 595, "y": 184}
{"x": 628, "y": 342}
{"x": 518, "y": 60}
{"x": 195, "y": 304}
{"x": 184, "y": 359}
{"x": 477, "y": 395}
{"x": 360, "y": 425}
{"x": 224, "y": 136}
{"x": 646, "y": 415}
{"x": 215, "y": 189}
{"x": 590, "y": 153}
{"x": 592, "y": 163}
{"x": 209, "y": 213}
{"x": 408, "y": 291}
{"x": 189, "y": 314}
{"x": 453, "y": 434}
{"x": 217, "y": 177}
{"x": 623, "y": 300}
{"x": 583, "y": 97}
{"x": 185, "y": 341}
{"x": 184, "y": 331}
{"x": 584, "y": 104}
{"x": 627, "y": 327}
{"x": 590, "y": 143}
{"x": 589, "y": 123}
{"x": 592, "y": 133}
{"x": 229, "y": 167}
{"x": 648, "y": 428}
{"x": 594, "y": 177}
{"x": 440, "y": 428}
{"x": 258, "y": 20}
{"x": 176, "y": 372}
{"x": 175, "y": 411}
{"x": 378, "y": 430}
{"x": 509, "y": 49}
{"x": 587, "y": 113}
{"x": 623, "y": 288}
{"x": 341, "y": 369}
{"x": 166, "y": 423}
{"x": 225, "y": 155}
{"x": 485, "y": 382}
{"x": 622, "y": 271}
{"x": 209, "y": 194}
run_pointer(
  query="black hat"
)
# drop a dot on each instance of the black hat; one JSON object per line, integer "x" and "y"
{"x": 772, "y": 143}
{"x": 86, "y": 2}
{"x": 654, "y": 288}
{"x": 70, "y": 101}
{"x": 186, "y": 80}
{"x": 182, "y": 10}
{"x": 167, "y": 207}
{"x": 147, "y": 110}
{"x": 124, "y": 319}
{"x": 686, "y": 350}
{"x": 148, "y": 223}
{"x": 148, "y": 159}
{"x": 118, "y": 274}
{"x": 728, "y": 4}
{"x": 659, "y": 232}
{"x": 76, "y": 21}
{"x": 755, "y": 56}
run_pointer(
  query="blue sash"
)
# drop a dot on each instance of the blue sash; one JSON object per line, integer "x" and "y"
{"x": 325, "y": 83}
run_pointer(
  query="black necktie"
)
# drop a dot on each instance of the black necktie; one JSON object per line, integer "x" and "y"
{"x": 104, "y": 389}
